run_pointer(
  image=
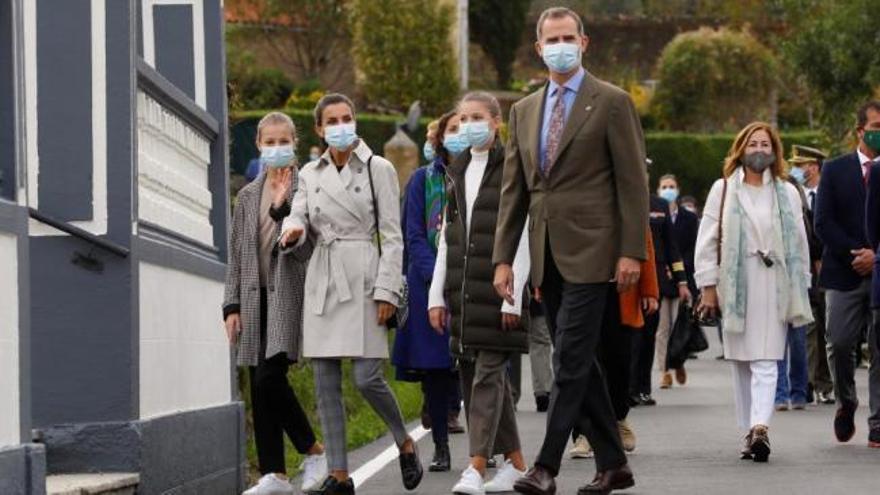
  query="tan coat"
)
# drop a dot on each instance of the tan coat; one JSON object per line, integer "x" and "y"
{"x": 593, "y": 207}
{"x": 345, "y": 275}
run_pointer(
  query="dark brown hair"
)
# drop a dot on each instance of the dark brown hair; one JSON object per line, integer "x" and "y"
{"x": 331, "y": 99}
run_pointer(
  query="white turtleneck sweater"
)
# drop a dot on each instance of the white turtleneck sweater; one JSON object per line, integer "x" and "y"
{"x": 473, "y": 176}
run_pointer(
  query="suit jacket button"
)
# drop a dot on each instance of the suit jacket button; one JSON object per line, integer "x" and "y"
{"x": 317, "y": 209}
{"x": 317, "y": 190}
{"x": 357, "y": 189}
{"x": 467, "y": 296}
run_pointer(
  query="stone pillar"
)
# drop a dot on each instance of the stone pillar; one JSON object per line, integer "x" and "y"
{"x": 404, "y": 154}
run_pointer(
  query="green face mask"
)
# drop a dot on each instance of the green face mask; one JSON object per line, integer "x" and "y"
{"x": 872, "y": 140}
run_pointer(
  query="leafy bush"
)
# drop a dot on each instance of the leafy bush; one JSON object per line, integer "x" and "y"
{"x": 835, "y": 50}
{"x": 714, "y": 80}
{"x": 497, "y": 26}
{"x": 252, "y": 86}
{"x": 403, "y": 53}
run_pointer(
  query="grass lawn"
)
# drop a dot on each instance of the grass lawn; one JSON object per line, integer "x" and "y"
{"x": 363, "y": 425}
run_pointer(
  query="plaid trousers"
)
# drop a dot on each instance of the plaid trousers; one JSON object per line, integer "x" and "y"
{"x": 369, "y": 379}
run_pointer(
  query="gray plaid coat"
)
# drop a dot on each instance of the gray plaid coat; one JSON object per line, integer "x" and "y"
{"x": 285, "y": 287}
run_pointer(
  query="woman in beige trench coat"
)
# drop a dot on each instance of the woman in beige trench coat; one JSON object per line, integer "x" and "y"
{"x": 351, "y": 290}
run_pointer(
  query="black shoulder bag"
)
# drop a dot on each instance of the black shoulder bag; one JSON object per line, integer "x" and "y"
{"x": 398, "y": 319}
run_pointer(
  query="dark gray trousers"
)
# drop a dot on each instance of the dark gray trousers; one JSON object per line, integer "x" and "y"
{"x": 848, "y": 316}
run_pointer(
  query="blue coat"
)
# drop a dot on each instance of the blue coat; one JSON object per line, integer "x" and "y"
{"x": 872, "y": 228}
{"x": 417, "y": 346}
{"x": 840, "y": 221}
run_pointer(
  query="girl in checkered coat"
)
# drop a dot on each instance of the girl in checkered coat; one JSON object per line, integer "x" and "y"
{"x": 262, "y": 309}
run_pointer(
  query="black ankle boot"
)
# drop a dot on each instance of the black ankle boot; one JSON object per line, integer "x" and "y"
{"x": 441, "y": 462}
{"x": 332, "y": 486}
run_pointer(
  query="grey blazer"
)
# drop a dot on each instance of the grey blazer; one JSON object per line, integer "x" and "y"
{"x": 285, "y": 287}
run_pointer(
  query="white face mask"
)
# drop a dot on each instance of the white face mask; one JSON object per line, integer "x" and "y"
{"x": 277, "y": 156}
{"x": 561, "y": 58}
{"x": 341, "y": 136}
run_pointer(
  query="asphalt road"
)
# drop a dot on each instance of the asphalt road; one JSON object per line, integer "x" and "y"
{"x": 687, "y": 444}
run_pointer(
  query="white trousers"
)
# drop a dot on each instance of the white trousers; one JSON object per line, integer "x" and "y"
{"x": 754, "y": 390}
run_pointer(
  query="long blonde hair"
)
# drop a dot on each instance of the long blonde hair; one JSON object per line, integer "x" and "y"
{"x": 779, "y": 169}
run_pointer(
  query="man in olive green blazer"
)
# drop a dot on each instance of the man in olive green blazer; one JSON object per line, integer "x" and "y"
{"x": 575, "y": 167}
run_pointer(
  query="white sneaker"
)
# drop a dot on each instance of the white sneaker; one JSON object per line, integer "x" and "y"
{"x": 270, "y": 484}
{"x": 504, "y": 479}
{"x": 314, "y": 471}
{"x": 471, "y": 483}
{"x": 581, "y": 449}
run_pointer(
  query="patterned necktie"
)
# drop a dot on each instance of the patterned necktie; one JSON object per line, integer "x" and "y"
{"x": 554, "y": 131}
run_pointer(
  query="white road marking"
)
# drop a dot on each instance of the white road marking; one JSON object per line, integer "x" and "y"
{"x": 378, "y": 463}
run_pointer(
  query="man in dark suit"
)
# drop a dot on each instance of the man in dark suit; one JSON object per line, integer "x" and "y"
{"x": 870, "y": 139}
{"x": 574, "y": 167}
{"x": 847, "y": 263}
{"x": 806, "y": 165}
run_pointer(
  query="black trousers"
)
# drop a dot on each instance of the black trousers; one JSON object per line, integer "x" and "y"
{"x": 276, "y": 409}
{"x": 643, "y": 355}
{"x": 580, "y": 396}
{"x": 438, "y": 386}
{"x": 615, "y": 351}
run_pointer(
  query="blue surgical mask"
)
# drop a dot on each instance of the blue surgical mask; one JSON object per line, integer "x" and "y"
{"x": 797, "y": 174}
{"x": 314, "y": 156}
{"x": 669, "y": 194}
{"x": 340, "y": 136}
{"x": 428, "y": 151}
{"x": 562, "y": 58}
{"x": 277, "y": 156}
{"x": 476, "y": 133}
{"x": 455, "y": 143}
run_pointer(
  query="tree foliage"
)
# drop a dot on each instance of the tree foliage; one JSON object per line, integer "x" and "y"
{"x": 403, "y": 53}
{"x": 836, "y": 48}
{"x": 497, "y": 26}
{"x": 712, "y": 80}
{"x": 305, "y": 34}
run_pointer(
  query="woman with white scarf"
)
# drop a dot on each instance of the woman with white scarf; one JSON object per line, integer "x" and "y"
{"x": 752, "y": 266}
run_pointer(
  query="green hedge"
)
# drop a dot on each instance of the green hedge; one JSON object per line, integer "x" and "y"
{"x": 695, "y": 158}
{"x": 374, "y": 129}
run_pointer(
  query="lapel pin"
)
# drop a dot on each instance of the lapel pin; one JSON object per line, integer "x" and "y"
{"x": 589, "y": 107}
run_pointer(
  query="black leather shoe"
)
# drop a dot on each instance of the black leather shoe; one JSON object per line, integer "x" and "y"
{"x": 411, "y": 468}
{"x": 606, "y": 481}
{"x": 634, "y": 401}
{"x": 453, "y": 426}
{"x": 825, "y": 398}
{"x": 647, "y": 400}
{"x": 332, "y": 486}
{"x": 874, "y": 438}
{"x": 537, "y": 481}
{"x": 542, "y": 402}
{"x": 441, "y": 462}
{"x": 845, "y": 423}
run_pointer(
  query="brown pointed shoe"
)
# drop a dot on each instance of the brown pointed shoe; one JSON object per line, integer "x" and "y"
{"x": 537, "y": 481}
{"x": 607, "y": 481}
